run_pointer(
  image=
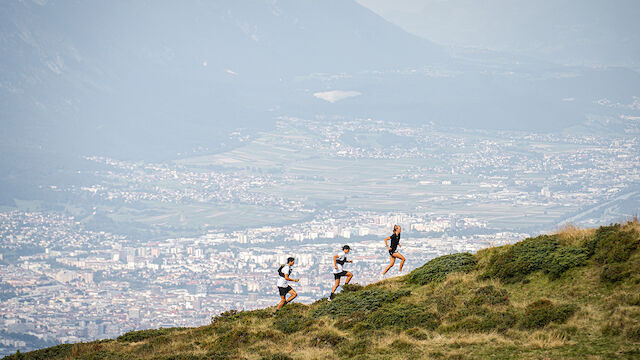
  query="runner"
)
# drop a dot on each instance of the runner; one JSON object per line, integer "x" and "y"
{"x": 395, "y": 243}
{"x": 283, "y": 286}
{"x": 338, "y": 271}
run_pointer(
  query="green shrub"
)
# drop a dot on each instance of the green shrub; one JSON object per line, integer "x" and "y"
{"x": 276, "y": 357}
{"x": 289, "y": 324}
{"x": 522, "y": 258}
{"x": 633, "y": 333}
{"x": 403, "y": 316}
{"x": 351, "y": 349}
{"x": 140, "y": 335}
{"x": 270, "y": 335}
{"x": 348, "y": 322}
{"x": 417, "y": 333}
{"x": 176, "y": 357}
{"x": 613, "y": 273}
{"x": 480, "y": 319}
{"x": 489, "y": 295}
{"x": 616, "y": 246}
{"x": 542, "y": 312}
{"x": 603, "y": 232}
{"x": 292, "y": 318}
{"x": 363, "y": 301}
{"x": 566, "y": 258}
{"x": 221, "y": 354}
{"x": 227, "y": 316}
{"x": 351, "y": 287}
{"x": 437, "y": 269}
{"x": 234, "y": 338}
{"x": 58, "y": 351}
{"x": 326, "y": 338}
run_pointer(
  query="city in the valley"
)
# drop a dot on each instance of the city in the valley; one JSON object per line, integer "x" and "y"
{"x": 138, "y": 245}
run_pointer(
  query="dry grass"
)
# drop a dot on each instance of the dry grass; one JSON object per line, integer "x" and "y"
{"x": 571, "y": 235}
{"x": 546, "y": 339}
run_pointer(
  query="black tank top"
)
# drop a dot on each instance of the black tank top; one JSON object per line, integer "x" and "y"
{"x": 395, "y": 240}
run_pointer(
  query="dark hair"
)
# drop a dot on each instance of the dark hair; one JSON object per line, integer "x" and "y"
{"x": 290, "y": 259}
{"x": 346, "y": 247}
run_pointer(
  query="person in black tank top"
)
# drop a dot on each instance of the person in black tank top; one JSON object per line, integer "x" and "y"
{"x": 393, "y": 249}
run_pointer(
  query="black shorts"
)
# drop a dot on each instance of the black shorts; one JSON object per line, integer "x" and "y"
{"x": 284, "y": 291}
{"x": 339, "y": 275}
{"x": 392, "y": 251}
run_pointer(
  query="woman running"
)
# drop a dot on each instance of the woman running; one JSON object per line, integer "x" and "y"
{"x": 395, "y": 243}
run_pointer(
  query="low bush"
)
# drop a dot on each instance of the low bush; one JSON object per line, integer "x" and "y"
{"x": 351, "y": 349}
{"x": 351, "y": 287}
{"x": 362, "y": 301}
{"x": 566, "y": 258}
{"x": 221, "y": 354}
{"x": 349, "y": 322}
{"x": 417, "y": 333}
{"x": 521, "y": 259}
{"x": 613, "y": 273}
{"x": 403, "y": 316}
{"x": 437, "y": 269}
{"x": 616, "y": 246}
{"x": 602, "y": 233}
{"x": 140, "y": 335}
{"x": 289, "y": 324}
{"x": 58, "y": 351}
{"x": 234, "y": 338}
{"x": 489, "y": 295}
{"x": 270, "y": 335}
{"x": 276, "y": 357}
{"x": 227, "y": 316}
{"x": 171, "y": 357}
{"x": 480, "y": 320}
{"x": 542, "y": 312}
{"x": 326, "y": 338}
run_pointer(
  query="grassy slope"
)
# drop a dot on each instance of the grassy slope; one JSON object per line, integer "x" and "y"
{"x": 575, "y": 294}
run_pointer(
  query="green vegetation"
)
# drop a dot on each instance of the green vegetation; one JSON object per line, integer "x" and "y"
{"x": 362, "y": 301}
{"x": 438, "y": 268}
{"x": 137, "y": 336}
{"x": 570, "y": 295}
{"x": 540, "y": 313}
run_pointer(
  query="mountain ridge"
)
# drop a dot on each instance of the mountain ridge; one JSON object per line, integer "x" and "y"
{"x": 566, "y": 295}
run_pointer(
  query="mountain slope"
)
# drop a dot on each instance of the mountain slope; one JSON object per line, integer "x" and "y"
{"x": 134, "y": 78}
{"x": 570, "y": 295}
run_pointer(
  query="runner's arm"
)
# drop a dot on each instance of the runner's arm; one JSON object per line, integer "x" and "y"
{"x": 286, "y": 277}
{"x": 335, "y": 257}
{"x": 385, "y": 242}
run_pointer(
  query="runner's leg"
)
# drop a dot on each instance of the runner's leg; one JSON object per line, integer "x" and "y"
{"x": 335, "y": 286}
{"x": 393, "y": 261}
{"x": 349, "y": 276}
{"x": 399, "y": 256}
{"x": 293, "y": 294}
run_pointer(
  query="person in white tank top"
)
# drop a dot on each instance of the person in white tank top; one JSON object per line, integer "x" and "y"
{"x": 338, "y": 269}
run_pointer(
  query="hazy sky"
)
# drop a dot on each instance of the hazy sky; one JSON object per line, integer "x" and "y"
{"x": 584, "y": 32}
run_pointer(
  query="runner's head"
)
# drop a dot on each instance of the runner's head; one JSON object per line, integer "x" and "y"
{"x": 397, "y": 229}
{"x": 346, "y": 249}
{"x": 291, "y": 261}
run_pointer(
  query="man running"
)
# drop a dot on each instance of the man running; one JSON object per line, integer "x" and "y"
{"x": 395, "y": 243}
{"x": 338, "y": 271}
{"x": 283, "y": 286}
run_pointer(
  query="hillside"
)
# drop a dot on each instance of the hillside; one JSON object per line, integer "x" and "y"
{"x": 573, "y": 294}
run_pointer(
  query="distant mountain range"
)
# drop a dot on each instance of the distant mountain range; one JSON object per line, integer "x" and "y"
{"x": 137, "y": 79}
